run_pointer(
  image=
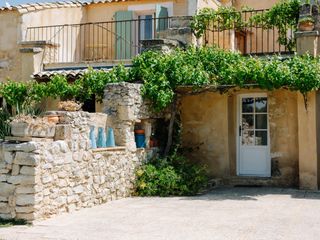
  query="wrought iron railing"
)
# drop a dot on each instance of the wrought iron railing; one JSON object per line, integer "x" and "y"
{"x": 251, "y": 38}
{"x": 99, "y": 41}
{"x": 120, "y": 40}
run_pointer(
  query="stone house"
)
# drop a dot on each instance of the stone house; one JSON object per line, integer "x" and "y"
{"x": 246, "y": 136}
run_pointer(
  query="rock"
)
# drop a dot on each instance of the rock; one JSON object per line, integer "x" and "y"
{"x": 25, "y": 189}
{"x": 30, "y": 209}
{"x": 15, "y": 170}
{"x": 26, "y": 216}
{"x": 24, "y": 147}
{"x": 28, "y": 171}
{"x": 46, "y": 178}
{"x": 8, "y": 157}
{"x": 25, "y": 199}
{"x": 21, "y": 179}
{"x": 78, "y": 189}
{"x": 29, "y": 159}
{"x": 63, "y": 131}
{"x": 6, "y": 189}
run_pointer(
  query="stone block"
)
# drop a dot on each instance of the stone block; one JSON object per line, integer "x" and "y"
{"x": 21, "y": 179}
{"x": 25, "y": 199}
{"x": 29, "y": 209}
{"x": 29, "y": 159}
{"x": 20, "y": 129}
{"x": 26, "y": 216}
{"x": 15, "y": 170}
{"x": 25, "y": 189}
{"x": 4, "y": 207}
{"x": 6, "y": 189}
{"x": 28, "y": 170}
{"x": 8, "y": 157}
{"x": 23, "y": 147}
{"x": 63, "y": 131}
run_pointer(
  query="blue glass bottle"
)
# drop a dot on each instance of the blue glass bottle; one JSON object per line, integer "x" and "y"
{"x": 92, "y": 137}
{"x": 102, "y": 143}
{"x": 110, "y": 138}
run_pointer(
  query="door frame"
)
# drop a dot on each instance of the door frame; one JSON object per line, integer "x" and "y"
{"x": 238, "y": 142}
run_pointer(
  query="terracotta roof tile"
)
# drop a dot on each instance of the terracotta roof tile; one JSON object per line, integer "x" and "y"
{"x": 30, "y": 7}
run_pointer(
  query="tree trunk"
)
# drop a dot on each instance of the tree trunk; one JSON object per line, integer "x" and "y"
{"x": 170, "y": 130}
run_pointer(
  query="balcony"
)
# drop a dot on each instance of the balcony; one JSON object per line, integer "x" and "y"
{"x": 116, "y": 41}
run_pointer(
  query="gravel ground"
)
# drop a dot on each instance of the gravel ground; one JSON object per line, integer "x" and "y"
{"x": 227, "y": 213}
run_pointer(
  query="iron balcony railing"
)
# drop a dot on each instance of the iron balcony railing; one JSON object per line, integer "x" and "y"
{"x": 249, "y": 37}
{"x": 100, "y": 41}
{"x": 120, "y": 40}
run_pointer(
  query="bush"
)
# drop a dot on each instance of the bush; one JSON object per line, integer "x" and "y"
{"x": 171, "y": 176}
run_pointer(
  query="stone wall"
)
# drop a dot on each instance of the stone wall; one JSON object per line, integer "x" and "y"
{"x": 47, "y": 176}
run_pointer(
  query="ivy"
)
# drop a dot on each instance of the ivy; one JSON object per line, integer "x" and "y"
{"x": 282, "y": 16}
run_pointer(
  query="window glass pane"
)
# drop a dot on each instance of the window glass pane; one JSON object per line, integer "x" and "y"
{"x": 247, "y": 137}
{"x": 261, "y": 105}
{"x": 247, "y": 105}
{"x": 261, "y": 138}
{"x": 247, "y": 121}
{"x": 261, "y": 121}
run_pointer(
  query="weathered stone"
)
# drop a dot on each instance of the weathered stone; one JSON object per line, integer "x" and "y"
{"x": 21, "y": 179}
{"x": 24, "y": 147}
{"x": 8, "y": 157}
{"x": 63, "y": 132}
{"x": 78, "y": 189}
{"x": 29, "y": 159}
{"x": 25, "y": 199}
{"x": 25, "y": 189}
{"x": 26, "y": 216}
{"x": 3, "y": 178}
{"x": 28, "y": 171}
{"x": 6, "y": 189}
{"x": 15, "y": 170}
{"x": 30, "y": 209}
{"x": 46, "y": 179}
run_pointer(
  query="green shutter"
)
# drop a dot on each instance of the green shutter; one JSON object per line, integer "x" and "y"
{"x": 124, "y": 44}
{"x": 161, "y": 12}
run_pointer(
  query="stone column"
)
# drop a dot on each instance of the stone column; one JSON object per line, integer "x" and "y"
{"x": 308, "y": 119}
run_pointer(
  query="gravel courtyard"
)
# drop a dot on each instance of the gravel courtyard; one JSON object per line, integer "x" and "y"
{"x": 227, "y": 213}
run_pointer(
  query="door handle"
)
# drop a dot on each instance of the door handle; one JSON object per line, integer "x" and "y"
{"x": 240, "y": 130}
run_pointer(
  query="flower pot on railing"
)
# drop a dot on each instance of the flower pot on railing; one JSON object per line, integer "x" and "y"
{"x": 306, "y": 24}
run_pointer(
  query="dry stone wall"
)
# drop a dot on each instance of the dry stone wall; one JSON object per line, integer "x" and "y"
{"x": 48, "y": 176}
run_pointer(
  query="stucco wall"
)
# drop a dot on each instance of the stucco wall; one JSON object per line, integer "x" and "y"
{"x": 209, "y": 122}
{"x": 10, "y": 59}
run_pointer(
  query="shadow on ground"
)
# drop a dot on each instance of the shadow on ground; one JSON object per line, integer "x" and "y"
{"x": 252, "y": 193}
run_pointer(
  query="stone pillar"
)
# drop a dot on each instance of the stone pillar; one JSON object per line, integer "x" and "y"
{"x": 33, "y": 55}
{"x": 308, "y": 42}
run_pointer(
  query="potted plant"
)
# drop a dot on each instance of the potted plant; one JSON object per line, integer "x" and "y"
{"x": 306, "y": 23}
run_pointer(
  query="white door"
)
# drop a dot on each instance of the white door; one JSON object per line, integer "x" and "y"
{"x": 253, "y": 136}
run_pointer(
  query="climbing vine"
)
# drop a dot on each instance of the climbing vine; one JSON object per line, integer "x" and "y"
{"x": 283, "y": 16}
{"x": 162, "y": 74}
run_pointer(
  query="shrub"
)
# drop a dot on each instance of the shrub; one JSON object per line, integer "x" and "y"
{"x": 171, "y": 176}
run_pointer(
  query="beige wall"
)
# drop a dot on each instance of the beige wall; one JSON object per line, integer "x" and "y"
{"x": 10, "y": 59}
{"x": 209, "y": 123}
{"x": 255, "y": 4}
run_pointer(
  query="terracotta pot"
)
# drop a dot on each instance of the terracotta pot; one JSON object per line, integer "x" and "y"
{"x": 306, "y": 26}
{"x": 53, "y": 118}
{"x": 139, "y": 131}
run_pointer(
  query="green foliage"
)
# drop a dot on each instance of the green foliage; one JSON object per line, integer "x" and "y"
{"x": 283, "y": 16}
{"x": 161, "y": 74}
{"x": 171, "y": 176}
{"x": 4, "y": 123}
{"x": 12, "y": 222}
